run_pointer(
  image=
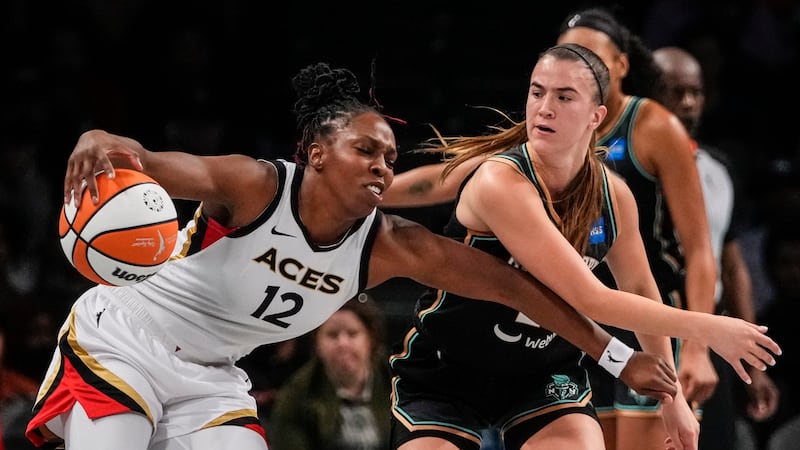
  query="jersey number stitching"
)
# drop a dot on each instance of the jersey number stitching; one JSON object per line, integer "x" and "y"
{"x": 275, "y": 318}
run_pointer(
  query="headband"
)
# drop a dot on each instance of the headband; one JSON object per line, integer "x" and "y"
{"x": 594, "y": 73}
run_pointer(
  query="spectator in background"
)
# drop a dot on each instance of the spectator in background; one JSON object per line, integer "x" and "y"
{"x": 7, "y": 291}
{"x": 270, "y": 366}
{"x": 28, "y": 205}
{"x": 781, "y": 255}
{"x": 17, "y": 393}
{"x": 778, "y": 183}
{"x": 684, "y": 95}
{"x": 339, "y": 400}
{"x": 32, "y": 265}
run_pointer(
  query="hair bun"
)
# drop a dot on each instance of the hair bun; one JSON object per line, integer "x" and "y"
{"x": 319, "y": 85}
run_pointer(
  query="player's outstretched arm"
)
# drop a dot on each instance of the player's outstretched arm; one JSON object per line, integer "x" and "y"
{"x": 407, "y": 249}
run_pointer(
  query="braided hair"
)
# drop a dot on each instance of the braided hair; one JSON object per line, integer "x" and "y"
{"x": 326, "y": 101}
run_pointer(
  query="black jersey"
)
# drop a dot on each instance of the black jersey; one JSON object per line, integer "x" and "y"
{"x": 489, "y": 335}
{"x": 655, "y": 224}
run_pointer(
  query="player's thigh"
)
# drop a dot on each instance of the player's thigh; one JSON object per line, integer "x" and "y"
{"x": 127, "y": 431}
{"x": 572, "y": 431}
{"x": 428, "y": 443}
{"x": 215, "y": 438}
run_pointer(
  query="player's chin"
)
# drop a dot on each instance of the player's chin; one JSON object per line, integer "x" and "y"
{"x": 371, "y": 201}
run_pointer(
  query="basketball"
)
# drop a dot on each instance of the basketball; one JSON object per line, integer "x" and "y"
{"x": 127, "y": 236}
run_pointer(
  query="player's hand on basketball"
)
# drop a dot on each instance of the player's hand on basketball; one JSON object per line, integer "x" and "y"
{"x": 737, "y": 340}
{"x": 92, "y": 155}
{"x": 650, "y": 375}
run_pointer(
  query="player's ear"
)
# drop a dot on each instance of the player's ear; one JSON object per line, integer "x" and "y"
{"x": 315, "y": 155}
{"x": 598, "y": 116}
{"x": 624, "y": 65}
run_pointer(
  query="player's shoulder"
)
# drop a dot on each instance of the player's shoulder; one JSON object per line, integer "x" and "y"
{"x": 616, "y": 182}
{"x": 655, "y": 116}
{"x": 657, "y": 128}
{"x": 394, "y": 225}
{"x": 613, "y": 177}
{"x": 399, "y": 241}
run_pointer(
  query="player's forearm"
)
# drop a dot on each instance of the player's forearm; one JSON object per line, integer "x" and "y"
{"x": 700, "y": 283}
{"x": 737, "y": 287}
{"x": 539, "y": 303}
{"x": 657, "y": 345}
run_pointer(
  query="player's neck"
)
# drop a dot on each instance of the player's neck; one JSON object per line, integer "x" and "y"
{"x": 616, "y": 105}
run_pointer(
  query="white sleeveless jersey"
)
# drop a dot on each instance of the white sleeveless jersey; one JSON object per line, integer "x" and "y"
{"x": 224, "y": 292}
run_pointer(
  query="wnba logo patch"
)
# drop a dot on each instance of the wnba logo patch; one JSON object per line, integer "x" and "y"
{"x": 616, "y": 149}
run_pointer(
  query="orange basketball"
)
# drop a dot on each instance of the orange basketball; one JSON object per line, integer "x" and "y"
{"x": 127, "y": 236}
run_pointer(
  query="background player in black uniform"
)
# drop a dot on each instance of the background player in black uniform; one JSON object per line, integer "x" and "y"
{"x": 651, "y": 150}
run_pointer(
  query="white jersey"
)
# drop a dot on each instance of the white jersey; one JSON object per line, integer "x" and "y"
{"x": 718, "y": 193}
{"x": 225, "y": 292}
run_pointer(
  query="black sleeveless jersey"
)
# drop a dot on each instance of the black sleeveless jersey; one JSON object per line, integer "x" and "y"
{"x": 655, "y": 224}
{"x": 486, "y": 335}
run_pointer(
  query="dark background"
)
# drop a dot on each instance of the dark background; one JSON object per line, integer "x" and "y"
{"x": 214, "y": 77}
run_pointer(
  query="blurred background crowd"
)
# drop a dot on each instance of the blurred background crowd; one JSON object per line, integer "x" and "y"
{"x": 214, "y": 77}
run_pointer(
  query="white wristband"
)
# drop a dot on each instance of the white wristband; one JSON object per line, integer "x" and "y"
{"x": 615, "y": 357}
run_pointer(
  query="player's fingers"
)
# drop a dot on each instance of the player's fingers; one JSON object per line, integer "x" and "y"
{"x": 660, "y": 395}
{"x": 667, "y": 383}
{"x": 661, "y": 388}
{"x": 760, "y": 359}
{"x": 91, "y": 186}
{"x": 69, "y": 192}
{"x": 767, "y": 342}
{"x": 104, "y": 165}
{"x": 72, "y": 182}
{"x": 739, "y": 369}
{"x": 131, "y": 157}
{"x": 671, "y": 388}
{"x": 671, "y": 375}
{"x": 75, "y": 185}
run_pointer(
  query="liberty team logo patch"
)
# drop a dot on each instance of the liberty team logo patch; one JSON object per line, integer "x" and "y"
{"x": 562, "y": 388}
